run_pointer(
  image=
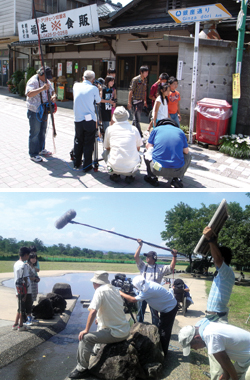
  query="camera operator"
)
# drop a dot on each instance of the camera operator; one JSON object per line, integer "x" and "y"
{"x": 107, "y": 306}
{"x": 151, "y": 272}
{"x": 85, "y": 97}
{"x": 159, "y": 299}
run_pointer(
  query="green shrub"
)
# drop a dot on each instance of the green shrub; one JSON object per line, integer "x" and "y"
{"x": 237, "y": 146}
{"x": 21, "y": 87}
{"x": 17, "y": 77}
{"x": 31, "y": 71}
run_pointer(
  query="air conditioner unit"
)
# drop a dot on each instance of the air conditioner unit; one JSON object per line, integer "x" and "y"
{"x": 35, "y": 50}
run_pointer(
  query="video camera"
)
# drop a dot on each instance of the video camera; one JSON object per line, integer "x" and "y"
{"x": 121, "y": 281}
{"x": 126, "y": 286}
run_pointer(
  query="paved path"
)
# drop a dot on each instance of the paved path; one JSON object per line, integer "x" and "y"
{"x": 209, "y": 169}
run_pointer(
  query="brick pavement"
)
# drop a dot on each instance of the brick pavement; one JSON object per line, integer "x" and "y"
{"x": 209, "y": 168}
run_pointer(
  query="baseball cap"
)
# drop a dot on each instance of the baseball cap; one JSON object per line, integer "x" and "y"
{"x": 151, "y": 254}
{"x": 185, "y": 337}
{"x": 48, "y": 72}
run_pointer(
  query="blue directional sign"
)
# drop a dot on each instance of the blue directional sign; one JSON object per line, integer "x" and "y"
{"x": 201, "y": 13}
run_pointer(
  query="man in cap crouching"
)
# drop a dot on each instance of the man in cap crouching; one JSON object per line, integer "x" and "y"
{"x": 107, "y": 307}
{"x": 225, "y": 342}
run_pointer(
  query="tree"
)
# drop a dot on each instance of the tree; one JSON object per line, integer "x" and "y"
{"x": 184, "y": 226}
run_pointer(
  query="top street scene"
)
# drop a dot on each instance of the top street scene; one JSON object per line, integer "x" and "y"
{"x": 139, "y": 94}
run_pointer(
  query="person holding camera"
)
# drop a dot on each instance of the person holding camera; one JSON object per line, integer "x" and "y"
{"x": 86, "y": 95}
{"x": 34, "y": 279}
{"x": 151, "y": 272}
{"x": 37, "y": 93}
{"x": 107, "y": 307}
{"x": 159, "y": 299}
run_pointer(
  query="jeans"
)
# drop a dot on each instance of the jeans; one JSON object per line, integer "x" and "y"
{"x": 105, "y": 125}
{"x": 141, "y": 312}
{"x": 37, "y": 134}
{"x": 88, "y": 342}
{"x": 84, "y": 142}
{"x": 137, "y": 110}
{"x": 174, "y": 116}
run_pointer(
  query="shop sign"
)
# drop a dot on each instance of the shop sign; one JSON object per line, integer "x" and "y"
{"x": 60, "y": 92}
{"x": 59, "y": 70}
{"x": 200, "y": 13}
{"x": 69, "y": 68}
{"x": 76, "y": 21}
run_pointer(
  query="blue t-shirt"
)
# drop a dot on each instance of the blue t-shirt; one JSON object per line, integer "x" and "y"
{"x": 85, "y": 94}
{"x": 169, "y": 142}
{"x": 158, "y": 298}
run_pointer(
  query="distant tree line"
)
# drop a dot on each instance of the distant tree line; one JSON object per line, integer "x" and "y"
{"x": 10, "y": 246}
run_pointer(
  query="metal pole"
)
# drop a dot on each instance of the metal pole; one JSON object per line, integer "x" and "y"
{"x": 239, "y": 55}
{"x": 194, "y": 81}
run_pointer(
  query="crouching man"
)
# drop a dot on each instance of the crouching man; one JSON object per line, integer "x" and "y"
{"x": 107, "y": 307}
{"x": 225, "y": 342}
{"x": 169, "y": 157}
{"x": 159, "y": 299}
{"x": 122, "y": 143}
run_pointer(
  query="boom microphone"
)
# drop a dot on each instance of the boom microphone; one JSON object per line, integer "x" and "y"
{"x": 65, "y": 219}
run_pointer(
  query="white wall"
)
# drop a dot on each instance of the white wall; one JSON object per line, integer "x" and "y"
{"x": 8, "y": 15}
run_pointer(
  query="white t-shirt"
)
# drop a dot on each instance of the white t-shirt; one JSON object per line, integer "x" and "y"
{"x": 109, "y": 305}
{"x": 163, "y": 109}
{"x": 123, "y": 139}
{"x": 21, "y": 270}
{"x": 224, "y": 337}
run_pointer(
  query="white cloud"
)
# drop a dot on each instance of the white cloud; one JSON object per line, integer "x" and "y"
{"x": 43, "y": 204}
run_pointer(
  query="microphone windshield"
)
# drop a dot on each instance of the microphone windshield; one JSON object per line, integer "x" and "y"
{"x": 65, "y": 219}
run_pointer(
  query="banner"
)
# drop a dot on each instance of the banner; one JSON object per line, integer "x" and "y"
{"x": 76, "y": 21}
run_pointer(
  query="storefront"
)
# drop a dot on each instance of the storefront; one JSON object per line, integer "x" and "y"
{"x": 4, "y": 67}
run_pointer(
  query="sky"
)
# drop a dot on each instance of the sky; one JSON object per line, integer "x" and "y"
{"x": 30, "y": 215}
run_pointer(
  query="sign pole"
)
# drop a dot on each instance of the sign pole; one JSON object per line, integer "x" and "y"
{"x": 239, "y": 55}
{"x": 194, "y": 81}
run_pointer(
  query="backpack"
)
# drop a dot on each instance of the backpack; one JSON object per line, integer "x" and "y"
{"x": 21, "y": 286}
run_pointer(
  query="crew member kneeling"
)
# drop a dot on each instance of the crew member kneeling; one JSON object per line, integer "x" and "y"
{"x": 170, "y": 155}
{"x": 107, "y": 307}
{"x": 122, "y": 142}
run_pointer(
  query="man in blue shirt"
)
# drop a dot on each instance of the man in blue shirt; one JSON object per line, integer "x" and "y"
{"x": 170, "y": 156}
{"x": 86, "y": 95}
{"x": 159, "y": 299}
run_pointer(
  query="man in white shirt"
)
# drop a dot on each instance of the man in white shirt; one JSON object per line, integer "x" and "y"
{"x": 122, "y": 141}
{"x": 86, "y": 95}
{"x": 107, "y": 307}
{"x": 24, "y": 298}
{"x": 225, "y": 342}
{"x": 152, "y": 271}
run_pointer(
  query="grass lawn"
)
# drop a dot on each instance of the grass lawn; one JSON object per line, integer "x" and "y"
{"x": 7, "y": 266}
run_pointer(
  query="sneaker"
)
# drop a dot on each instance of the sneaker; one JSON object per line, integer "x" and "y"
{"x": 45, "y": 152}
{"x": 29, "y": 322}
{"x": 14, "y": 327}
{"x": 23, "y": 328}
{"x": 129, "y": 179}
{"x": 152, "y": 180}
{"x": 34, "y": 320}
{"x": 115, "y": 177}
{"x": 79, "y": 375}
{"x": 177, "y": 183}
{"x": 36, "y": 159}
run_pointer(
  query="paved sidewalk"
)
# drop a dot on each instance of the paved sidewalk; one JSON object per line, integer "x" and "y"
{"x": 209, "y": 169}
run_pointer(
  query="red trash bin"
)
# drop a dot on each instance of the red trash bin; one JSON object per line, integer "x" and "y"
{"x": 212, "y": 120}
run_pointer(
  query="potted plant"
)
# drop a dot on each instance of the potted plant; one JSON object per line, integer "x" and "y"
{"x": 237, "y": 146}
{"x": 10, "y": 84}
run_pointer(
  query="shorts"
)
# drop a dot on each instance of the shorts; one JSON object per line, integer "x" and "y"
{"x": 24, "y": 306}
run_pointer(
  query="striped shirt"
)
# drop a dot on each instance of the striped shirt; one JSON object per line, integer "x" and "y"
{"x": 154, "y": 272}
{"x": 221, "y": 289}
